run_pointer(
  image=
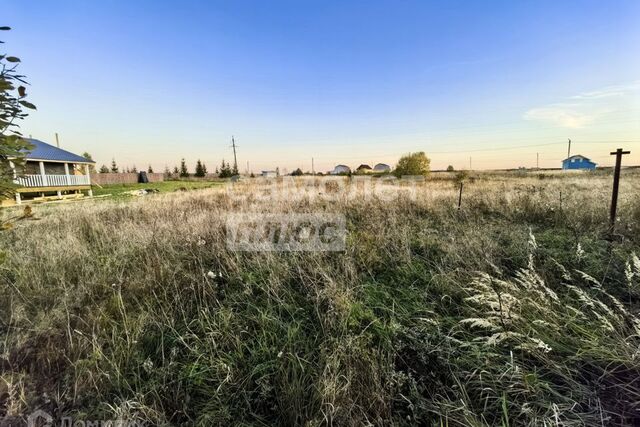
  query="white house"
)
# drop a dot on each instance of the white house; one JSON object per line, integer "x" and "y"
{"x": 339, "y": 169}
{"x": 381, "y": 168}
{"x": 50, "y": 169}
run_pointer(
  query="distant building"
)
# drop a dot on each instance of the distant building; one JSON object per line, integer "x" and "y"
{"x": 340, "y": 169}
{"x": 364, "y": 169}
{"x": 578, "y": 162}
{"x": 269, "y": 174}
{"x": 381, "y": 168}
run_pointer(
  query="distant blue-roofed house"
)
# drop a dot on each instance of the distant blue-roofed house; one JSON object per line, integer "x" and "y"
{"x": 578, "y": 162}
{"x": 50, "y": 169}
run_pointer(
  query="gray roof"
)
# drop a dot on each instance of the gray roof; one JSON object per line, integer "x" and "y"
{"x": 43, "y": 151}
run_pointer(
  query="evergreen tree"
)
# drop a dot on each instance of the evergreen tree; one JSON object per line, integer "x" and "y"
{"x": 225, "y": 170}
{"x": 201, "y": 169}
{"x": 134, "y": 170}
{"x": 175, "y": 170}
{"x": 114, "y": 166}
{"x": 104, "y": 169}
{"x": 184, "y": 172}
{"x": 150, "y": 169}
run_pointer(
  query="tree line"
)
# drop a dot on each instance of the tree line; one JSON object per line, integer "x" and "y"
{"x": 226, "y": 170}
{"x": 410, "y": 164}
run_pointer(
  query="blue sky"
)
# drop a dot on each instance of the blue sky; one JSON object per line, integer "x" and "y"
{"x": 343, "y": 82}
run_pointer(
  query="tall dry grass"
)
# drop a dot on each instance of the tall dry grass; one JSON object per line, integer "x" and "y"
{"x": 514, "y": 310}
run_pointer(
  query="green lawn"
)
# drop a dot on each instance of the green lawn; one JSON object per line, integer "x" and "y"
{"x": 120, "y": 190}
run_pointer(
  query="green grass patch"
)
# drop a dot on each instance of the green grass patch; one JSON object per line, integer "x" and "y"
{"x": 122, "y": 190}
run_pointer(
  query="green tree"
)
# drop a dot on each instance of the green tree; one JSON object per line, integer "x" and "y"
{"x": 297, "y": 172}
{"x": 225, "y": 170}
{"x": 114, "y": 166}
{"x": 12, "y": 104}
{"x": 201, "y": 169}
{"x": 104, "y": 169}
{"x": 450, "y": 168}
{"x": 184, "y": 172}
{"x": 176, "y": 171}
{"x": 413, "y": 164}
{"x": 92, "y": 167}
{"x": 149, "y": 169}
{"x": 134, "y": 169}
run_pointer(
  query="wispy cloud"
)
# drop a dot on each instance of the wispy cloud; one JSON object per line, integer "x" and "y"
{"x": 583, "y": 109}
{"x": 609, "y": 91}
{"x": 561, "y": 115}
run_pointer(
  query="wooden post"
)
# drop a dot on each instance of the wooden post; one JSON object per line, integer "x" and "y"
{"x": 87, "y": 171}
{"x": 43, "y": 174}
{"x": 66, "y": 173}
{"x": 13, "y": 169}
{"x": 561, "y": 200}
{"x": 460, "y": 196}
{"x": 616, "y": 183}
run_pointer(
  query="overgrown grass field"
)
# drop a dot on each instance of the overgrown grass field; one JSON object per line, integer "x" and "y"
{"x": 514, "y": 310}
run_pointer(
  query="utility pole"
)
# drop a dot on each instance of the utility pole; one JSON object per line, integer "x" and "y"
{"x": 616, "y": 183}
{"x": 57, "y": 141}
{"x": 569, "y": 149}
{"x": 247, "y": 167}
{"x": 313, "y": 169}
{"x": 470, "y": 168}
{"x": 537, "y": 160}
{"x": 235, "y": 159}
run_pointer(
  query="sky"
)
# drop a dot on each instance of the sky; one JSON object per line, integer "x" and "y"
{"x": 482, "y": 85}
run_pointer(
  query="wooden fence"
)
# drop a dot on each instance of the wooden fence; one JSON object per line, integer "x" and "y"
{"x": 122, "y": 178}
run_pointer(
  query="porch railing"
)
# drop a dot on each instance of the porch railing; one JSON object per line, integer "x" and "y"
{"x": 51, "y": 180}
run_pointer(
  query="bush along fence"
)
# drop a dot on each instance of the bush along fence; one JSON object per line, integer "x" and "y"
{"x": 123, "y": 178}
